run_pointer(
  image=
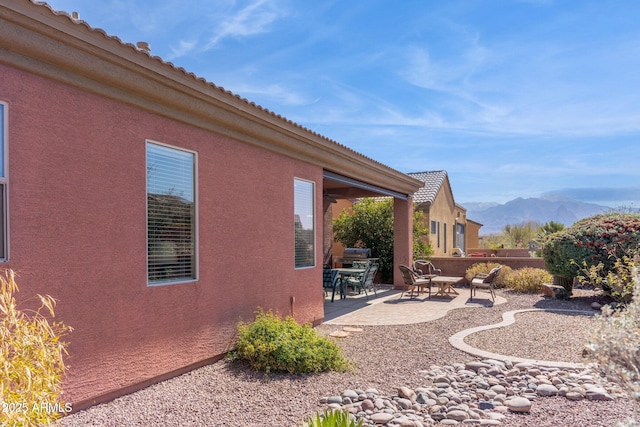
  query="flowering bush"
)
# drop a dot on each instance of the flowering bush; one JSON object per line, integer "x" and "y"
{"x": 600, "y": 239}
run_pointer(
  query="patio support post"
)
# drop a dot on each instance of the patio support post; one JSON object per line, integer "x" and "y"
{"x": 402, "y": 237}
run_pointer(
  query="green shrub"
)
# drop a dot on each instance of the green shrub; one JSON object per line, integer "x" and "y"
{"x": 485, "y": 268}
{"x": 333, "y": 418}
{"x": 272, "y": 344}
{"x": 31, "y": 360}
{"x": 600, "y": 239}
{"x": 528, "y": 280}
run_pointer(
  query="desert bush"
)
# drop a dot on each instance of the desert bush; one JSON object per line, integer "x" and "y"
{"x": 600, "y": 239}
{"x": 528, "y": 280}
{"x": 272, "y": 344}
{"x": 614, "y": 343}
{"x": 485, "y": 268}
{"x": 31, "y": 360}
{"x": 333, "y": 418}
{"x": 618, "y": 281}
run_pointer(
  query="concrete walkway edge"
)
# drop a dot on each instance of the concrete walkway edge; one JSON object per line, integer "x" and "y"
{"x": 457, "y": 340}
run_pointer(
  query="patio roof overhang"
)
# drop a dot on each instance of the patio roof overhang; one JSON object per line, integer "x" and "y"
{"x": 342, "y": 187}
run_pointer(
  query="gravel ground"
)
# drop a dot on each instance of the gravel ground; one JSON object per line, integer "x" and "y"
{"x": 387, "y": 357}
{"x": 539, "y": 335}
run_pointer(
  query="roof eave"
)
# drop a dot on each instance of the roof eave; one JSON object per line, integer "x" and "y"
{"x": 36, "y": 39}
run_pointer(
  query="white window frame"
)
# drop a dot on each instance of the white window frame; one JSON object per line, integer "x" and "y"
{"x": 4, "y": 182}
{"x": 313, "y": 223}
{"x": 195, "y": 266}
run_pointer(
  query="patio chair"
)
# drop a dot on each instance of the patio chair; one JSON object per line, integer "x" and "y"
{"x": 412, "y": 281}
{"x": 424, "y": 268}
{"x": 331, "y": 280}
{"x": 370, "y": 276}
{"x": 364, "y": 281}
{"x": 485, "y": 281}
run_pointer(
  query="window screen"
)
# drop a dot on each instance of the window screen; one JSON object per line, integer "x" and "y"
{"x": 171, "y": 214}
{"x": 304, "y": 222}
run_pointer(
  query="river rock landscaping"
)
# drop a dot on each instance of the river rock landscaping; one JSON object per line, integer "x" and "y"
{"x": 474, "y": 393}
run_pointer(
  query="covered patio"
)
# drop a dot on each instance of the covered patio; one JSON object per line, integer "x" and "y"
{"x": 337, "y": 186}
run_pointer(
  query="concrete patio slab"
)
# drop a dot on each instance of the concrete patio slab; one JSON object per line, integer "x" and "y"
{"x": 389, "y": 308}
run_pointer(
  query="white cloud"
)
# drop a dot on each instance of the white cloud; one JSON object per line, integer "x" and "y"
{"x": 184, "y": 47}
{"x": 255, "y": 18}
{"x": 277, "y": 93}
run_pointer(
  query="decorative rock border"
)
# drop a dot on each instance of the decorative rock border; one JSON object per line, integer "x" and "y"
{"x": 480, "y": 392}
{"x": 457, "y": 340}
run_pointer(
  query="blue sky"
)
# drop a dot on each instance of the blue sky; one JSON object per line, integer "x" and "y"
{"x": 513, "y": 98}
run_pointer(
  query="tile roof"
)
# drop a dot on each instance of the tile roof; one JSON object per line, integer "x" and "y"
{"x": 433, "y": 181}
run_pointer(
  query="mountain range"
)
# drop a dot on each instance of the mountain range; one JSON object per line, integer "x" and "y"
{"x": 494, "y": 216}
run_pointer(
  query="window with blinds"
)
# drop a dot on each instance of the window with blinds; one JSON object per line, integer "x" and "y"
{"x": 171, "y": 214}
{"x": 304, "y": 223}
{"x": 4, "y": 244}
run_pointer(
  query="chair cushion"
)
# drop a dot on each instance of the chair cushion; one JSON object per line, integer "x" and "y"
{"x": 479, "y": 283}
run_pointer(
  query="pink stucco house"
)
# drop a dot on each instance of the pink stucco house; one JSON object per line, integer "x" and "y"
{"x": 157, "y": 208}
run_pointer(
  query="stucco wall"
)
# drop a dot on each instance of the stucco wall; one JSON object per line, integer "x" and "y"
{"x": 77, "y": 217}
{"x": 473, "y": 235}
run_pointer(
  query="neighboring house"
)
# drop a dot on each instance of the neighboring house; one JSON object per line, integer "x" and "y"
{"x": 473, "y": 234}
{"x": 446, "y": 220}
{"x": 157, "y": 208}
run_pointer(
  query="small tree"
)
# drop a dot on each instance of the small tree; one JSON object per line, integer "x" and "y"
{"x": 370, "y": 225}
{"x": 31, "y": 360}
{"x": 548, "y": 229}
{"x": 421, "y": 245}
{"x": 519, "y": 235}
